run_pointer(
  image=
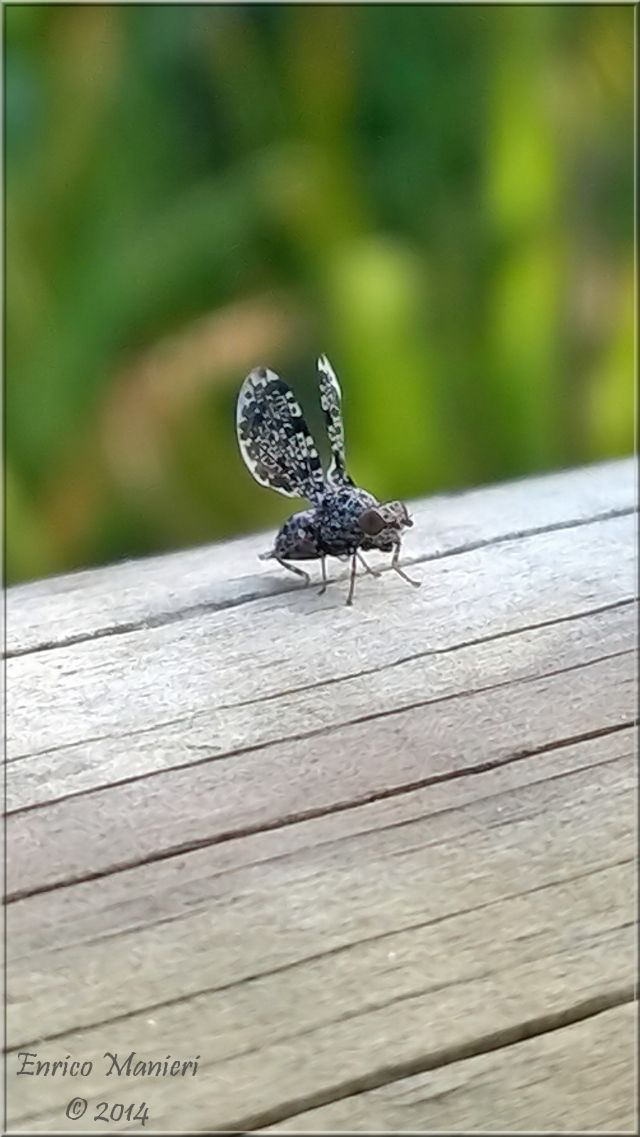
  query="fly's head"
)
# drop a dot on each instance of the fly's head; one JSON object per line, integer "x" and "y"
{"x": 382, "y": 525}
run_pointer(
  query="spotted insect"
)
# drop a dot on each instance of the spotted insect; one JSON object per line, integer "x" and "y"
{"x": 279, "y": 451}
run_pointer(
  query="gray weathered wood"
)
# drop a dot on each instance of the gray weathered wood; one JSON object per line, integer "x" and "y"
{"x": 161, "y": 589}
{"x": 350, "y": 857}
{"x": 576, "y": 1079}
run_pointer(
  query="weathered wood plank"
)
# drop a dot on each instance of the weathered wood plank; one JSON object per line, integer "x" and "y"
{"x": 237, "y": 678}
{"x": 202, "y": 907}
{"x": 430, "y": 968}
{"x": 181, "y": 885}
{"x": 142, "y": 592}
{"x": 332, "y": 850}
{"x": 578, "y": 1079}
{"x": 123, "y": 825}
{"x": 343, "y": 1022}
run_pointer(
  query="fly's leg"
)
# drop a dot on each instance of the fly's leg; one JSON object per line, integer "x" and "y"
{"x": 297, "y": 571}
{"x": 323, "y": 588}
{"x": 372, "y": 572}
{"x": 352, "y": 583}
{"x": 396, "y": 568}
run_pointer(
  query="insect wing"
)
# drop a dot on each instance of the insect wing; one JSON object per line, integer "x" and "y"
{"x": 331, "y": 403}
{"x": 274, "y": 438}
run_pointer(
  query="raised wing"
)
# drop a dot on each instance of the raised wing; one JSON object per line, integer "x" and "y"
{"x": 274, "y": 438}
{"x": 331, "y": 402}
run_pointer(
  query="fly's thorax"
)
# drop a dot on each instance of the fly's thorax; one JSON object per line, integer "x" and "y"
{"x": 338, "y": 514}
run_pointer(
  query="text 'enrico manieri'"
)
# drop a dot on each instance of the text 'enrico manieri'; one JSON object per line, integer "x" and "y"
{"x": 131, "y": 1065}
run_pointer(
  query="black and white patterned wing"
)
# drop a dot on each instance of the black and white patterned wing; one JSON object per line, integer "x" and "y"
{"x": 331, "y": 402}
{"x": 274, "y": 438}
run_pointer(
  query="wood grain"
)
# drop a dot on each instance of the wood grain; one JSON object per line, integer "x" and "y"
{"x": 375, "y": 866}
{"x": 575, "y": 1080}
{"x": 212, "y": 683}
{"x": 159, "y": 589}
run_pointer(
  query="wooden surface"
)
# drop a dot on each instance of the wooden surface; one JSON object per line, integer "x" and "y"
{"x": 375, "y": 866}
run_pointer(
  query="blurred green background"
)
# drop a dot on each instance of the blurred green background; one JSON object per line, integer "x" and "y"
{"x": 441, "y": 198}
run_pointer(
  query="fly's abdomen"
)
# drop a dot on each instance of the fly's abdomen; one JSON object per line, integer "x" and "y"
{"x": 297, "y": 540}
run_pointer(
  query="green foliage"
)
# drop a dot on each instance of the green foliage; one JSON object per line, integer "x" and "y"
{"x": 441, "y": 198}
